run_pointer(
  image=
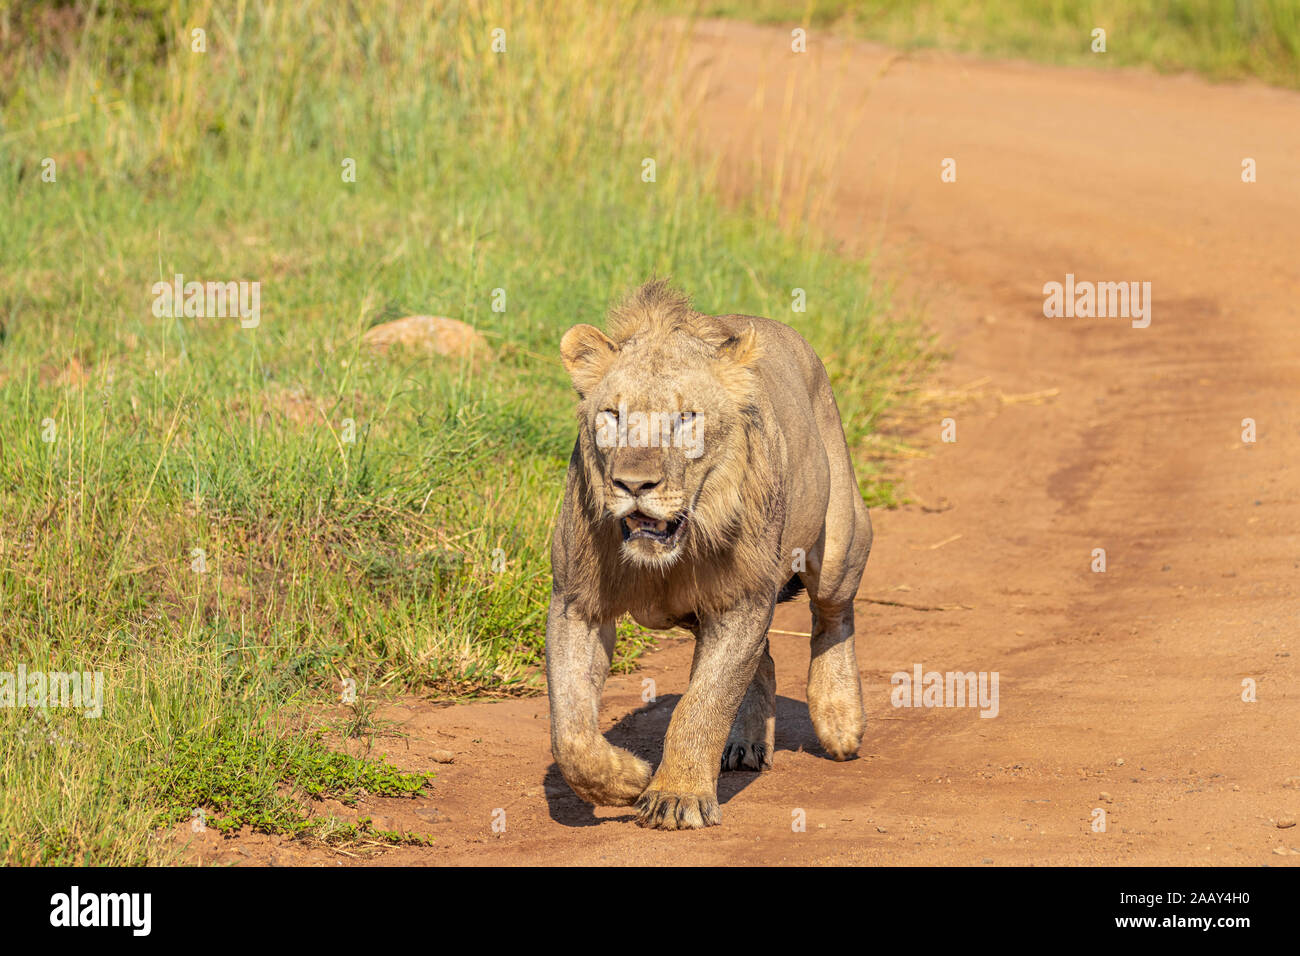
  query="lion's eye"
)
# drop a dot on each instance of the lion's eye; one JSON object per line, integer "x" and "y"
{"x": 606, "y": 428}
{"x": 606, "y": 420}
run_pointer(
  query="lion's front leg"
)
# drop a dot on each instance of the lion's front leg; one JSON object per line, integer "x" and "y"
{"x": 684, "y": 792}
{"x": 577, "y": 663}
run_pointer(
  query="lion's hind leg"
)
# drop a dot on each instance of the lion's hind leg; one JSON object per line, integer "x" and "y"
{"x": 834, "y": 687}
{"x": 753, "y": 733}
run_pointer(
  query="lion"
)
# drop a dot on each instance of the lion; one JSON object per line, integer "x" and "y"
{"x": 710, "y": 480}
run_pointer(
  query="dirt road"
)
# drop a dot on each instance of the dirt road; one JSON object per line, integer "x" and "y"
{"x": 1119, "y": 690}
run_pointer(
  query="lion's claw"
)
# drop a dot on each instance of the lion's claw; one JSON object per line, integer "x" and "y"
{"x": 661, "y": 810}
{"x": 742, "y": 755}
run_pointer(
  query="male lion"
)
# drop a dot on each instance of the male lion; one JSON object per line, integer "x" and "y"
{"x": 710, "y": 463}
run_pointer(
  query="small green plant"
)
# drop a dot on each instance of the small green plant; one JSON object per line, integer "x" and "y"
{"x": 263, "y": 782}
{"x": 633, "y": 641}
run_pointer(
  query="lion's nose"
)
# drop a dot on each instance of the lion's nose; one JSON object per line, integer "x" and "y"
{"x": 635, "y": 487}
{"x": 637, "y": 472}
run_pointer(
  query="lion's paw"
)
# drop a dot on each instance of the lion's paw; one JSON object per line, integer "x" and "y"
{"x": 603, "y": 775}
{"x": 662, "y": 810}
{"x": 747, "y": 755}
{"x": 840, "y": 735}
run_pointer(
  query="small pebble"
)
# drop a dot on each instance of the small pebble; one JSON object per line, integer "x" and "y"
{"x": 1119, "y": 761}
{"x": 442, "y": 756}
{"x": 1286, "y": 823}
{"x": 1104, "y": 797}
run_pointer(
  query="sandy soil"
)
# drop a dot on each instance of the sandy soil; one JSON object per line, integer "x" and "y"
{"x": 1119, "y": 690}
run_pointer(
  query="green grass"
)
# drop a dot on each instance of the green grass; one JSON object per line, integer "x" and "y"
{"x": 238, "y": 779}
{"x": 1222, "y": 39}
{"x": 414, "y": 558}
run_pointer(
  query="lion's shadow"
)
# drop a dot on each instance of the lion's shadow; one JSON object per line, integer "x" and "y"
{"x": 642, "y": 732}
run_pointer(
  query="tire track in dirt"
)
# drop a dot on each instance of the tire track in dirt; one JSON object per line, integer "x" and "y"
{"x": 1126, "y": 683}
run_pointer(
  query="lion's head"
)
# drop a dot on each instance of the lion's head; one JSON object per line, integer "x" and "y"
{"x": 666, "y": 404}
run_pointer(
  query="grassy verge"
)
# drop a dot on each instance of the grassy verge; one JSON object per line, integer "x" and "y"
{"x": 1222, "y": 39}
{"x": 226, "y": 521}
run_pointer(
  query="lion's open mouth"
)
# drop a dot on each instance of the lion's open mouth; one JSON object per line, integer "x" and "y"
{"x": 639, "y": 525}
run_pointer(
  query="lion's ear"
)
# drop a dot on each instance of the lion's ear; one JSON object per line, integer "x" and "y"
{"x": 741, "y": 349}
{"x": 587, "y": 353}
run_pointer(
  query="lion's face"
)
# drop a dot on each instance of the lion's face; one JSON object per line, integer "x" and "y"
{"x": 649, "y": 437}
{"x": 658, "y": 439}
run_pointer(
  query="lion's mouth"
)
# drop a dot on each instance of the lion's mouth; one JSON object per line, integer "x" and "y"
{"x": 640, "y": 525}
